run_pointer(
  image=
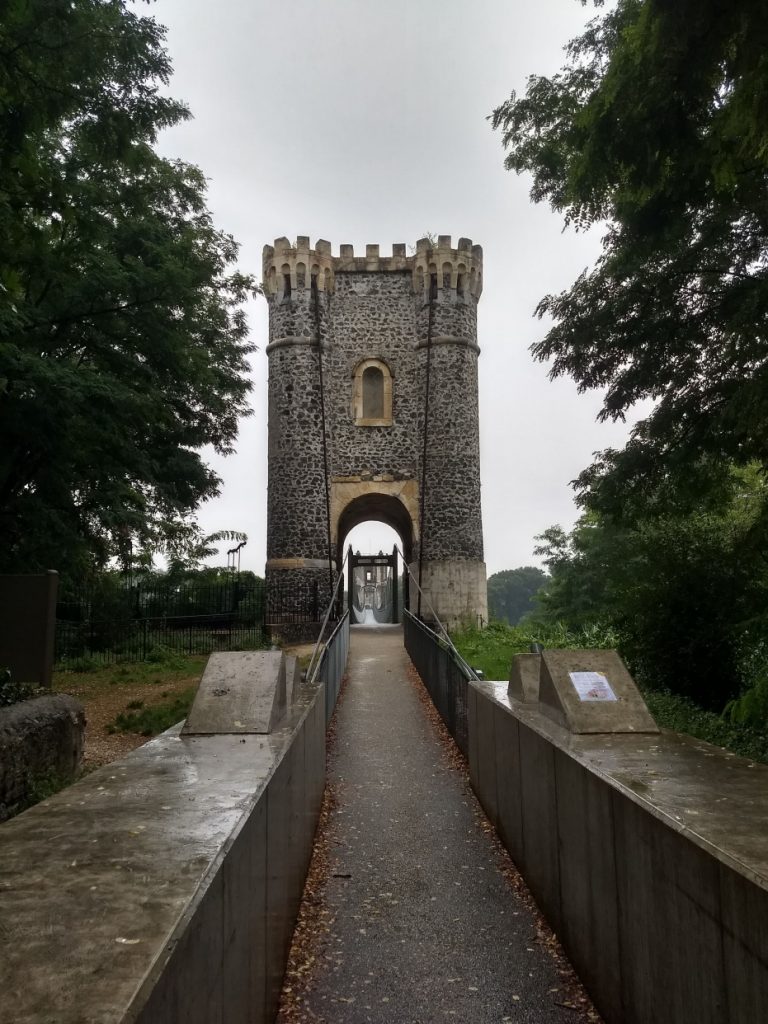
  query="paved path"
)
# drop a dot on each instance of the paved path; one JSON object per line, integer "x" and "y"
{"x": 426, "y": 927}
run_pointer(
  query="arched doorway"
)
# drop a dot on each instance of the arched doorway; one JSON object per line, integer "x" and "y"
{"x": 366, "y": 567}
{"x": 383, "y": 508}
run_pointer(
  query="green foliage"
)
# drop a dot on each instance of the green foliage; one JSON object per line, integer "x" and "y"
{"x": 160, "y": 655}
{"x": 657, "y": 125}
{"x": 12, "y": 691}
{"x": 511, "y": 593}
{"x": 82, "y": 665}
{"x": 682, "y": 715}
{"x": 491, "y": 649}
{"x": 38, "y": 787}
{"x": 123, "y": 339}
{"x": 751, "y": 708}
{"x": 46, "y": 784}
{"x": 680, "y": 586}
{"x": 156, "y": 718}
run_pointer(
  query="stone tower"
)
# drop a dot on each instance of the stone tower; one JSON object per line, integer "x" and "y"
{"x": 365, "y": 354}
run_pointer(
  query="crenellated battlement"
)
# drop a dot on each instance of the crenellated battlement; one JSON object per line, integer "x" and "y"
{"x": 290, "y": 268}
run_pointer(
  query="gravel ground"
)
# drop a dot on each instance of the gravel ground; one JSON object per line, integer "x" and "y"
{"x": 413, "y": 912}
{"x": 104, "y": 695}
{"x": 105, "y": 699}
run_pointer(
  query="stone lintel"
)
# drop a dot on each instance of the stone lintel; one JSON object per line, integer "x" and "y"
{"x": 299, "y": 563}
{"x": 346, "y": 489}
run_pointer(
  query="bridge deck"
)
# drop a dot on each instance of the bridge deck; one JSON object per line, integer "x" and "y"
{"x": 424, "y": 925}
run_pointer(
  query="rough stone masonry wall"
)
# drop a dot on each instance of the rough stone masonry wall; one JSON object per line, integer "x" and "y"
{"x": 296, "y": 509}
{"x": 453, "y": 528}
{"x": 41, "y": 740}
{"x": 376, "y": 307}
{"x": 373, "y": 318}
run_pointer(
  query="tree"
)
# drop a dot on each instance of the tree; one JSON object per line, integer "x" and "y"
{"x": 123, "y": 342}
{"x": 658, "y": 126}
{"x": 511, "y": 592}
{"x": 684, "y": 587}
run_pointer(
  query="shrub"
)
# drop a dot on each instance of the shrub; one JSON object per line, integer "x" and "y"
{"x": 12, "y": 691}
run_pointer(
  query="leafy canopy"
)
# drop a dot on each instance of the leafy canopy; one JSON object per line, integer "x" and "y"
{"x": 657, "y": 126}
{"x": 123, "y": 342}
{"x": 685, "y": 588}
{"x": 511, "y": 592}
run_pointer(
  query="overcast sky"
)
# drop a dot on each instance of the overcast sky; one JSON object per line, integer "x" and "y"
{"x": 365, "y": 122}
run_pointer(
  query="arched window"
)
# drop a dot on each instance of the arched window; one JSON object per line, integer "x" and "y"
{"x": 372, "y": 394}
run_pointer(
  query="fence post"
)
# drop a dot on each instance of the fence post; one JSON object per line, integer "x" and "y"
{"x": 315, "y": 606}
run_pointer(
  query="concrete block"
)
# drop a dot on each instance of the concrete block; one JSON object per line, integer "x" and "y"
{"x": 539, "y": 807}
{"x": 669, "y": 929}
{"x": 524, "y": 677}
{"x": 745, "y": 947}
{"x": 612, "y": 703}
{"x": 508, "y": 783}
{"x": 293, "y": 680}
{"x": 588, "y": 899}
{"x": 241, "y": 692}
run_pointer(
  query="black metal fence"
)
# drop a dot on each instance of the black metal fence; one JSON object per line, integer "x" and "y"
{"x": 112, "y": 622}
{"x": 443, "y": 673}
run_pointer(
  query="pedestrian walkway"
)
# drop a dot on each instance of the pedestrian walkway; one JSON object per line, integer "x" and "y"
{"x": 425, "y": 927}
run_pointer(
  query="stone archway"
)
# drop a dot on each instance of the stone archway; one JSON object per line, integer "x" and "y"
{"x": 395, "y": 504}
{"x": 395, "y": 509}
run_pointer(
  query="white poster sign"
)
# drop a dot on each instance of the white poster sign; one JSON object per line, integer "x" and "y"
{"x": 592, "y": 686}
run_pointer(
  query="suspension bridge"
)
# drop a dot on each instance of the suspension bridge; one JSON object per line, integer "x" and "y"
{"x": 465, "y": 813}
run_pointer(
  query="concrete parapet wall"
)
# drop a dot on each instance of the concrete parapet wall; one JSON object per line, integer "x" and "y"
{"x": 41, "y": 740}
{"x": 164, "y": 887}
{"x": 646, "y": 853}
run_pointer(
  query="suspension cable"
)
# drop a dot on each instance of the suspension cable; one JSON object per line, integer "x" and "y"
{"x": 430, "y": 327}
{"x": 318, "y": 339}
{"x": 443, "y": 632}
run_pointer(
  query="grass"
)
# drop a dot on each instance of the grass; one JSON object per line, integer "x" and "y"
{"x": 149, "y": 720}
{"x": 39, "y": 787}
{"x": 174, "y": 668}
{"x": 491, "y": 650}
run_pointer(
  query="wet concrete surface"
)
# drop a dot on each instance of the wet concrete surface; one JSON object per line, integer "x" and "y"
{"x": 425, "y": 926}
{"x": 101, "y": 883}
{"x": 718, "y": 799}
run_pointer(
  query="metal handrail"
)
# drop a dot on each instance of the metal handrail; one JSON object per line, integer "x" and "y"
{"x": 471, "y": 674}
{"x": 445, "y": 641}
{"x": 314, "y": 665}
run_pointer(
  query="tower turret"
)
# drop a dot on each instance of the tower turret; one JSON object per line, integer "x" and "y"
{"x": 368, "y": 356}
